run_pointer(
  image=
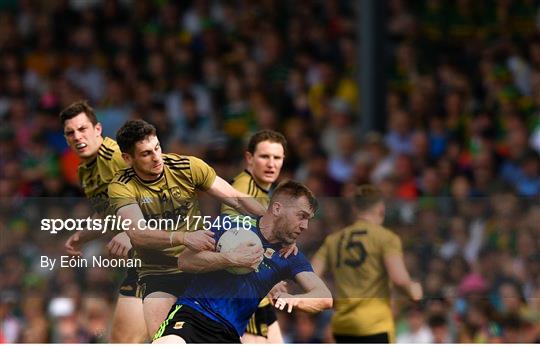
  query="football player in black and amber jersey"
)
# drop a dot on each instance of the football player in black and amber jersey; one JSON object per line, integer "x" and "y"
{"x": 159, "y": 186}
{"x": 364, "y": 259}
{"x": 101, "y": 159}
{"x": 264, "y": 160}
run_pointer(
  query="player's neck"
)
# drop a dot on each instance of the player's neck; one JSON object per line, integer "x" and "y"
{"x": 265, "y": 186}
{"x": 369, "y": 218}
{"x": 89, "y": 159}
{"x": 147, "y": 177}
{"x": 266, "y": 225}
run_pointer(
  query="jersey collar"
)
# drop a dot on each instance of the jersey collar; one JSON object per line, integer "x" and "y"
{"x": 90, "y": 163}
{"x": 151, "y": 181}
{"x": 255, "y": 181}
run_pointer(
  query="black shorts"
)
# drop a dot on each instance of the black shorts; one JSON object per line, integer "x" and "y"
{"x": 173, "y": 284}
{"x": 375, "y": 338}
{"x": 260, "y": 321}
{"x": 129, "y": 284}
{"x": 195, "y": 327}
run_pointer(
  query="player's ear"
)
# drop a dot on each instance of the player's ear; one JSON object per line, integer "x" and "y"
{"x": 276, "y": 208}
{"x": 127, "y": 158}
{"x": 249, "y": 158}
{"x": 98, "y": 128}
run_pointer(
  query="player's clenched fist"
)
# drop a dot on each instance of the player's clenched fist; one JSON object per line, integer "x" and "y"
{"x": 119, "y": 246}
{"x": 73, "y": 244}
{"x": 415, "y": 291}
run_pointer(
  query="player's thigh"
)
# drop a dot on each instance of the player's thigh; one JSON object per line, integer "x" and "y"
{"x": 156, "y": 305}
{"x": 169, "y": 339}
{"x": 274, "y": 333}
{"x": 128, "y": 325}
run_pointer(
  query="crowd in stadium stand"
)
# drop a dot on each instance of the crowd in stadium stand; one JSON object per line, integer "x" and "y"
{"x": 459, "y": 159}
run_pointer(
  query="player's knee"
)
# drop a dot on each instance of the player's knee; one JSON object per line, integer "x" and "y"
{"x": 169, "y": 339}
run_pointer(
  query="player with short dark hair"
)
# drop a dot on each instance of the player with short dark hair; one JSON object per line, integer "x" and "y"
{"x": 217, "y": 305}
{"x": 363, "y": 259}
{"x": 159, "y": 186}
{"x": 101, "y": 159}
{"x": 264, "y": 159}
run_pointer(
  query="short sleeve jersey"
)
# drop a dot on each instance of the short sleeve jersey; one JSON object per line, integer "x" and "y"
{"x": 171, "y": 198}
{"x": 355, "y": 257}
{"x": 96, "y": 175}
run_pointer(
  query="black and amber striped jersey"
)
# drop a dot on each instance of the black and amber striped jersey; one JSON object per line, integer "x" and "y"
{"x": 95, "y": 175}
{"x": 355, "y": 257}
{"x": 245, "y": 183}
{"x": 264, "y": 316}
{"x": 171, "y": 197}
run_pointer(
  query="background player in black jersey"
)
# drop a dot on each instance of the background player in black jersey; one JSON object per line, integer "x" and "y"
{"x": 100, "y": 160}
{"x": 264, "y": 159}
{"x": 161, "y": 186}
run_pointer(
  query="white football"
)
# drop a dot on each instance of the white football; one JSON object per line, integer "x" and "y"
{"x": 231, "y": 239}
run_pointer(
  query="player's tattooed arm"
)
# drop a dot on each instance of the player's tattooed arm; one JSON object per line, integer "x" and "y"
{"x": 245, "y": 255}
{"x": 241, "y": 202}
{"x": 317, "y": 296}
{"x": 143, "y": 237}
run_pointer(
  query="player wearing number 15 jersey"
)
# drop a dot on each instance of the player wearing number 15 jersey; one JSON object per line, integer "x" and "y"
{"x": 364, "y": 258}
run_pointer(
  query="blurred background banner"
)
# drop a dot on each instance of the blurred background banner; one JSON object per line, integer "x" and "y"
{"x": 434, "y": 102}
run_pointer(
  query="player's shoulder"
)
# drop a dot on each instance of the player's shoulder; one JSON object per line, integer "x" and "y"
{"x": 108, "y": 150}
{"x": 242, "y": 177}
{"x": 110, "y": 144}
{"x": 124, "y": 176}
{"x": 244, "y": 182}
{"x": 109, "y": 159}
{"x": 182, "y": 162}
{"x": 383, "y": 234}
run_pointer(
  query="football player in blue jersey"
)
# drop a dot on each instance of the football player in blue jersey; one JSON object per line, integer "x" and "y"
{"x": 217, "y": 305}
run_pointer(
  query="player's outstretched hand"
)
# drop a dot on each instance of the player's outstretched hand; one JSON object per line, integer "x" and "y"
{"x": 247, "y": 254}
{"x": 200, "y": 240}
{"x": 286, "y": 300}
{"x": 276, "y": 291}
{"x": 119, "y": 246}
{"x": 415, "y": 291}
{"x": 288, "y": 250}
{"x": 73, "y": 245}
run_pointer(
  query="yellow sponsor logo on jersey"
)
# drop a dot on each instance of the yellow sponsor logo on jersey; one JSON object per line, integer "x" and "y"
{"x": 178, "y": 325}
{"x": 268, "y": 253}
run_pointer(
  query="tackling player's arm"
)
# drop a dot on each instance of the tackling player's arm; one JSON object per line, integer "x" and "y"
{"x": 78, "y": 239}
{"x": 241, "y": 202}
{"x": 143, "y": 237}
{"x": 317, "y": 296}
{"x": 245, "y": 255}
